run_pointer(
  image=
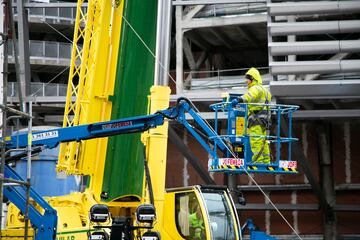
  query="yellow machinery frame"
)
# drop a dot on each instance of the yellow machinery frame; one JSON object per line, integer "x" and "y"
{"x": 91, "y": 81}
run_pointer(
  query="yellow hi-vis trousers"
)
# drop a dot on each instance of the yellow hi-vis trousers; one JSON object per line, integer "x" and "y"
{"x": 259, "y": 146}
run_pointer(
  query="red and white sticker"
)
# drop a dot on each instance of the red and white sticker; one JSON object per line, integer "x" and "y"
{"x": 288, "y": 164}
{"x": 231, "y": 161}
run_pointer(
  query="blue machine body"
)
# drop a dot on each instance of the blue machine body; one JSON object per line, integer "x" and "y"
{"x": 45, "y": 180}
{"x": 255, "y": 234}
{"x": 45, "y": 223}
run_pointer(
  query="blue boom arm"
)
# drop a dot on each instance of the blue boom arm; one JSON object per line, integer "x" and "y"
{"x": 51, "y": 138}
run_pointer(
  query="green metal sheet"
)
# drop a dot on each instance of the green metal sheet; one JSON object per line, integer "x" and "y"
{"x": 124, "y": 170}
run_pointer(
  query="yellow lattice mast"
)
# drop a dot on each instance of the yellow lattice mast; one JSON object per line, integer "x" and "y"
{"x": 91, "y": 81}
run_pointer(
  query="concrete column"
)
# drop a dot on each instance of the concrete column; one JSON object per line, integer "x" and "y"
{"x": 291, "y": 38}
{"x": 179, "y": 51}
{"x": 24, "y": 59}
{"x": 163, "y": 36}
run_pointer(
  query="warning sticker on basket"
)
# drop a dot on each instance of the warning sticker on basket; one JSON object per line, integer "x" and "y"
{"x": 231, "y": 161}
{"x": 45, "y": 135}
{"x": 288, "y": 164}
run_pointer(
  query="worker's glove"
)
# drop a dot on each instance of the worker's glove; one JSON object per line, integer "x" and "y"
{"x": 234, "y": 102}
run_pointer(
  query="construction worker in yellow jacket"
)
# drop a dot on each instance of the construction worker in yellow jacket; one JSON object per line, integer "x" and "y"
{"x": 258, "y": 116}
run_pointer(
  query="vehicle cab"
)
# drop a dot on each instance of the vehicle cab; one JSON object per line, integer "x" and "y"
{"x": 200, "y": 212}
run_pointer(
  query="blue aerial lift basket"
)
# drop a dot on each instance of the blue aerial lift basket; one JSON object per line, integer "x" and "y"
{"x": 239, "y": 159}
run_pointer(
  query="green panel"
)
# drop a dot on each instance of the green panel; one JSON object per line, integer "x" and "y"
{"x": 124, "y": 170}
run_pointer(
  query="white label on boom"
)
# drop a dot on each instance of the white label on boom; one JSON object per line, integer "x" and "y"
{"x": 44, "y": 135}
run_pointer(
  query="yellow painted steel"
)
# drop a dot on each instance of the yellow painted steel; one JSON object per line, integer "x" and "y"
{"x": 91, "y": 82}
{"x": 73, "y": 217}
{"x": 156, "y": 149}
{"x": 106, "y": 108}
{"x": 16, "y": 234}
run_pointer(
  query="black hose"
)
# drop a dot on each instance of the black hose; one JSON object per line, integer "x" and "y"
{"x": 178, "y": 102}
{"x": 148, "y": 179}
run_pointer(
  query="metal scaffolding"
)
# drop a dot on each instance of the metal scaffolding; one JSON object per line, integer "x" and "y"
{"x": 5, "y": 181}
{"x": 21, "y": 55}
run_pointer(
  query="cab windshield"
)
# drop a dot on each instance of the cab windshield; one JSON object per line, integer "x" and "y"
{"x": 222, "y": 220}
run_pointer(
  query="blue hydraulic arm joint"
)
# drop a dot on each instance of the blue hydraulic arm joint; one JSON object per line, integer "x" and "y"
{"x": 255, "y": 233}
{"x": 45, "y": 223}
{"x": 183, "y": 108}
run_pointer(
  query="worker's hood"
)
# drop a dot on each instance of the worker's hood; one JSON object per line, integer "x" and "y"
{"x": 255, "y": 74}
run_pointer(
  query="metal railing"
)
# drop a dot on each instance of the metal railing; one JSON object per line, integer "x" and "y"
{"x": 44, "y": 50}
{"x": 220, "y": 78}
{"x": 234, "y": 78}
{"x": 40, "y": 89}
{"x": 52, "y": 15}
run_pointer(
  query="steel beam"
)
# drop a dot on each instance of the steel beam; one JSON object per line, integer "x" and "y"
{"x": 224, "y": 21}
{"x": 210, "y": 95}
{"x": 347, "y": 186}
{"x": 295, "y": 207}
{"x": 163, "y": 34}
{"x": 306, "y": 168}
{"x": 346, "y": 208}
{"x": 295, "y": 187}
{"x": 193, "y": 12}
{"x": 305, "y": 67}
{"x": 313, "y": 47}
{"x": 313, "y": 7}
{"x": 249, "y": 36}
{"x": 53, "y": 5}
{"x": 327, "y": 180}
{"x": 338, "y": 56}
{"x": 24, "y": 55}
{"x": 280, "y": 206}
{"x": 222, "y": 38}
{"x": 199, "y": 2}
{"x": 326, "y": 114}
{"x": 316, "y": 89}
{"x": 179, "y": 51}
{"x": 190, "y": 156}
{"x": 57, "y": 119}
{"x": 282, "y": 187}
{"x": 196, "y": 38}
{"x": 35, "y": 99}
{"x": 188, "y": 54}
{"x": 319, "y": 27}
